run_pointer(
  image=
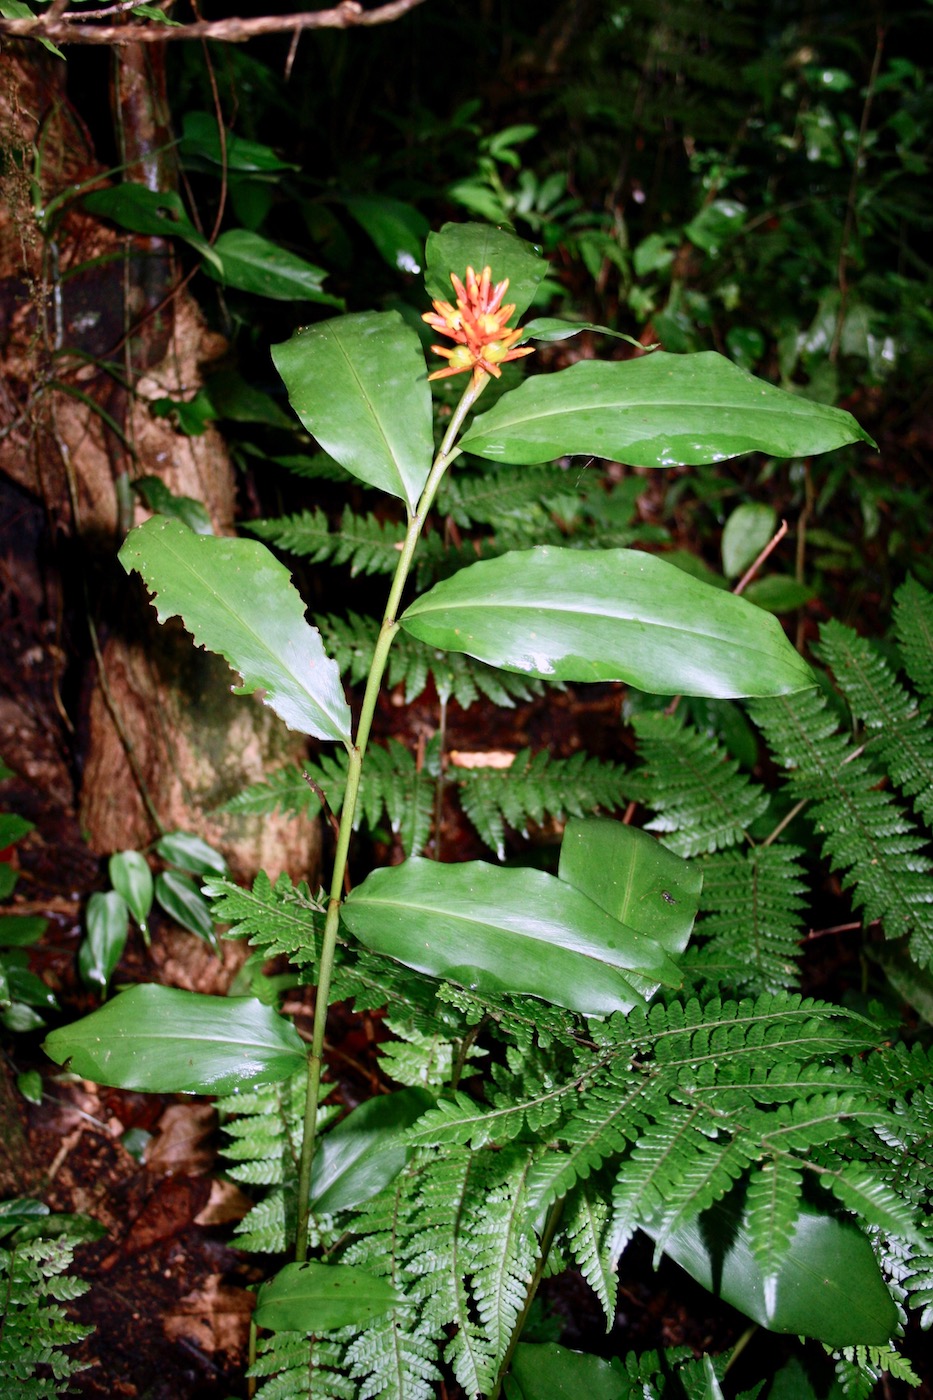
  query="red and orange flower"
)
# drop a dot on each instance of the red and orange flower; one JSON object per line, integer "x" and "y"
{"x": 478, "y": 325}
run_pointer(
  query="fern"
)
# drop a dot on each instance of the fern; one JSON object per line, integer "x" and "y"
{"x": 536, "y": 788}
{"x": 585, "y": 1235}
{"x": 748, "y": 935}
{"x": 455, "y": 675}
{"x": 280, "y": 919}
{"x": 369, "y": 545}
{"x": 703, "y": 801}
{"x": 913, "y": 624}
{"x": 499, "y": 493}
{"x": 904, "y": 743}
{"x": 34, "y": 1328}
{"x": 866, "y": 832}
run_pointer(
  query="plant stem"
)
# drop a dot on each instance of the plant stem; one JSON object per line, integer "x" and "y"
{"x": 357, "y": 751}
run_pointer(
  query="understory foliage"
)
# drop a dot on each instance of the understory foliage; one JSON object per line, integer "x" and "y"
{"x": 35, "y": 1330}
{"x": 735, "y": 1099}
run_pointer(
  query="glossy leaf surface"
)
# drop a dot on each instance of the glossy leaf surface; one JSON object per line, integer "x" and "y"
{"x": 191, "y": 852}
{"x": 496, "y": 929}
{"x": 237, "y": 599}
{"x": 107, "y": 920}
{"x": 459, "y": 246}
{"x": 550, "y": 1372}
{"x": 251, "y": 263}
{"x": 659, "y": 411}
{"x": 358, "y": 384}
{"x": 610, "y": 614}
{"x": 829, "y": 1285}
{"x": 744, "y": 536}
{"x": 165, "y": 1041}
{"x": 634, "y": 878}
{"x": 360, "y": 1155}
{"x": 397, "y": 229}
{"x": 316, "y": 1297}
{"x": 183, "y": 901}
{"x": 132, "y": 879}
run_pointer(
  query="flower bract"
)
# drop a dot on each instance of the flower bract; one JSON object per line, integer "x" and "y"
{"x": 478, "y": 324}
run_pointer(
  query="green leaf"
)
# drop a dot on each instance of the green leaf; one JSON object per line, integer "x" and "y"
{"x": 160, "y": 214}
{"x": 551, "y": 328}
{"x": 633, "y": 877}
{"x": 659, "y": 411}
{"x": 361, "y": 1155}
{"x": 200, "y": 137}
{"x": 8, "y": 879}
{"x": 778, "y": 594}
{"x": 314, "y": 1297}
{"x": 190, "y": 852}
{"x": 459, "y": 246}
{"x": 29, "y": 1084}
{"x": 397, "y": 229}
{"x": 829, "y": 1285}
{"x": 161, "y": 500}
{"x": 21, "y": 930}
{"x": 13, "y": 828}
{"x": 132, "y": 879}
{"x": 716, "y": 224}
{"x": 358, "y": 384}
{"x": 551, "y": 1372}
{"x": 612, "y": 614}
{"x": 501, "y": 930}
{"x": 237, "y": 599}
{"x": 165, "y": 1041}
{"x": 744, "y": 536}
{"x": 251, "y": 263}
{"x": 107, "y": 920}
{"x": 181, "y": 899}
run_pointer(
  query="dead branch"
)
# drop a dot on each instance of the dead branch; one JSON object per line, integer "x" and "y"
{"x": 61, "y": 28}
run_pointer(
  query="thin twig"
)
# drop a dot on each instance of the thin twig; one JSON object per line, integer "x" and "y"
{"x": 753, "y": 568}
{"x": 65, "y": 30}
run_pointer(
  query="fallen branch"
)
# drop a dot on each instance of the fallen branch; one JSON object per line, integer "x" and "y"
{"x": 60, "y": 28}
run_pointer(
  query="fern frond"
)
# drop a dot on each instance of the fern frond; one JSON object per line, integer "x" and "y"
{"x": 865, "y": 832}
{"x": 279, "y": 919}
{"x": 859, "y": 1369}
{"x": 369, "y": 545}
{"x": 704, "y": 802}
{"x": 494, "y": 496}
{"x": 34, "y": 1328}
{"x": 301, "y": 1368}
{"x": 584, "y": 1234}
{"x": 393, "y": 789}
{"x": 749, "y": 930}
{"x": 771, "y": 1205}
{"x": 416, "y": 1058}
{"x": 913, "y": 624}
{"x": 456, "y": 676}
{"x": 902, "y": 739}
{"x": 537, "y": 787}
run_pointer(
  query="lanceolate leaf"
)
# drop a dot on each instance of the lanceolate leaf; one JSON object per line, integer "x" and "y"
{"x": 316, "y": 1297}
{"x": 358, "y": 384}
{"x": 634, "y": 878}
{"x": 658, "y": 411}
{"x": 252, "y": 263}
{"x": 608, "y": 614}
{"x": 161, "y": 1040}
{"x": 459, "y": 246}
{"x": 365, "y": 1152}
{"x": 494, "y": 929}
{"x": 237, "y": 599}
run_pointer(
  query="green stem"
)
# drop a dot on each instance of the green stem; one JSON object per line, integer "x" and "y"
{"x": 446, "y": 453}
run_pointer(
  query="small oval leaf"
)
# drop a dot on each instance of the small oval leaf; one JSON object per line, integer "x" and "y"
{"x": 107, "y": 920}
{"x": 181, "y": 899}
{"x": 132, "y": 879}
